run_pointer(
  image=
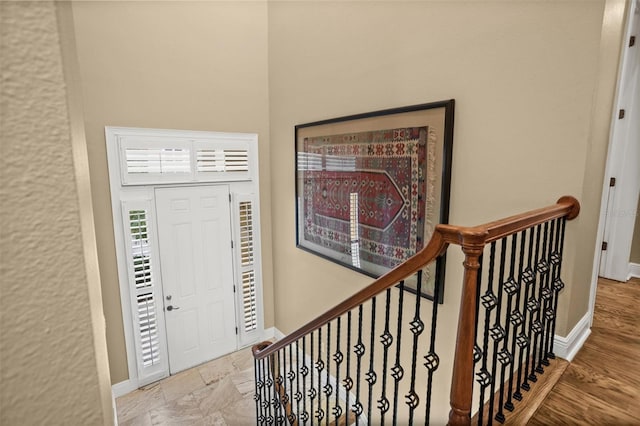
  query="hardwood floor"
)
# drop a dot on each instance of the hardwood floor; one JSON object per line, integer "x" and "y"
{"x": 602, "y": 384}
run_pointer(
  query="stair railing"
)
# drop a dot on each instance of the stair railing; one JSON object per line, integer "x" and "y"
{"x": 334, "y": 371}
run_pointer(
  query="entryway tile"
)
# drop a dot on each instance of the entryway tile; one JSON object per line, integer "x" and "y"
{"x": 181, "y": 384}
{"x": 217, "y": 369}
{"x": 217, "y": 396}
{"x": 244, "y": 381}
{"x": 138, "y": 403}
{"x": 182, "y": 411}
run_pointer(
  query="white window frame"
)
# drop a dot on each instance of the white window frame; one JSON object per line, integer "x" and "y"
{"x": 128, "y": 191}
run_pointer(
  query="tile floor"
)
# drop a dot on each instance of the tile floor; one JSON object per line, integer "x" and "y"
{"x": 219, "y": 392}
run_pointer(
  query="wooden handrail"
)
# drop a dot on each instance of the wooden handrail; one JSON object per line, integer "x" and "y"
{"x": 472, "y": 240}
{"x": 434, "y": 248}
{"x": 492, "y": 231}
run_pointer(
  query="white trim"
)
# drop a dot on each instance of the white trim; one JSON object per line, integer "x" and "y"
{"x": 634, "y": 271}
{"x": 124, "y": 387}
{"x": 599, "y": 258}
{"x": 113, "y": 406}
{"x": 277, "y": 334}
{"x": 145, "y": 192}
{"x": 623, "y": 148}
{"x": 568, "y": 347}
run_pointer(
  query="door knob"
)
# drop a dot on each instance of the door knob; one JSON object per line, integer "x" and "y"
{"x": 171, "y": 308}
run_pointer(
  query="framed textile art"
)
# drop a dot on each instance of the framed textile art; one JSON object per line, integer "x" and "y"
{"x": 371, "y": 187}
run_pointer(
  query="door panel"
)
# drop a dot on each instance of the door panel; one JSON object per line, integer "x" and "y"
{"x": 194, "y": 231}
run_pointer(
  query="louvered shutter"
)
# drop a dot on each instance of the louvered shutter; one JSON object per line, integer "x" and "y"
{"x": 247, "y": 237}
{"x": 222, "y": 160}
{"x": 146, "y": 160}
{"x": 145, "y": 291}
{"x": 152, "y": 159}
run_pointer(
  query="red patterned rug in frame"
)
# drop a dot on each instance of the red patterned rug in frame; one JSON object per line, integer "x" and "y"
{"x": 387, "y": 169}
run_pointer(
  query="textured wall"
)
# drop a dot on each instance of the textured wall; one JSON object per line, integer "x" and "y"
{"x": 48, "y": 364}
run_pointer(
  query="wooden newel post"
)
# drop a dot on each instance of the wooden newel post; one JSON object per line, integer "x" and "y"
{"x": 462, "y": 381}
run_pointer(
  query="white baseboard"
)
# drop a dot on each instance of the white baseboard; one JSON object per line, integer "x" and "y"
{"x": 272, "y": 333}
{"x": 123, "y": 388}
{"x": 568, "y": 347}
{"x": 279, "y": 335}
{"x": 634, "y": 271}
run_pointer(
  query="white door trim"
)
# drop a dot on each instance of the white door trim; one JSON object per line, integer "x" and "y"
{"x": 121, "y": 189}
{"x": 612, "y": 159}
{"x": 622, "y": 162}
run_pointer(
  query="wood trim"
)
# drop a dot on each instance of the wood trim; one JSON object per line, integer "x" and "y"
{"x": 462, "y": 380}
{"x": 565, "y": 206}
{"x": 471, "y": 239}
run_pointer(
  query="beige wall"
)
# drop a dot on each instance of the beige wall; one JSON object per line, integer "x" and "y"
{"x": 635, "y": 246}
{"x": 523, "y": 75}
{"x": 172, "y": 65}
{"x": 53, "y": 364}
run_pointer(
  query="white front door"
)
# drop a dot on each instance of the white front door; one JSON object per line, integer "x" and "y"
{"x": 194, "y": 231}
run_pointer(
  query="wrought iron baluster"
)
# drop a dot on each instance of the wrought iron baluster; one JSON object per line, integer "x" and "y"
{"x": 348, "y": 381}
{"x": 304, "y": 416}
{"x": 477, "y": 351}
{"x": 497, "y": 332}
{"x": 511, "y": 287}
{"x": 337, "y": 358}
{"x": 259, "y": 377}
{"x": 371, "y": 374}
{"x": 489, "y": 302}
{"x": 537, "y": 325}
{"x": 359, "y": 350}
{"x": 432, "y": 361}
{"x": 270, "y": 387}
{"x": 516, "y": 319}
{"x": 298, "y": 394}
{"x": 533, "y": 306}
{"x": 327, "y": 387}
{"x": 291, "y": 375}
{"x": 386, "y": 339}
{"x": 558, "y": 285}
{"x": 266, "y": 369}
{"x": 278, "y": 400}
{"x": 312, "y": 390}
{"x": 396, "y": 371}
{"x": 417, "y": 327}
{"x": 543, "y": 270}
{"x": 548, "y": 296}
{"x": 528, "y": 277}
{"x": 319, "y": 366}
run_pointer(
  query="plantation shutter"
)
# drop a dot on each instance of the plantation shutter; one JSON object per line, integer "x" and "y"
{"x": 145, "y": 291}
{"x": 153, "y": 159}
{"x": 222, "y": 160}
{"x": 246, "y": 254}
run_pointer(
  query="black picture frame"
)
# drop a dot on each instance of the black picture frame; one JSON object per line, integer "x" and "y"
{"x": 394, "y": 166}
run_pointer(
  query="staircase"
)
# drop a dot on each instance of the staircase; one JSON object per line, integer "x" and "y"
{"x": 374, "y": 358}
